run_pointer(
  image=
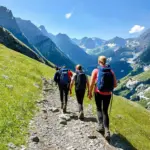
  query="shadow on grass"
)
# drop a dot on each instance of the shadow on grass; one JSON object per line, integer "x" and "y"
{"x": 119, "y": 141}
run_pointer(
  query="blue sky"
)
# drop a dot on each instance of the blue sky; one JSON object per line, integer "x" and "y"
{"x": 79, "y": 18}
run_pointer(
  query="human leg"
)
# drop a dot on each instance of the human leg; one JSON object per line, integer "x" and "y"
{"x": 80, "y": 97}
{"x": 61, "y": 96}
{"x": 106, "y": 102}
{"x": 98, "y": 101}
{"x": 66, "y": 91}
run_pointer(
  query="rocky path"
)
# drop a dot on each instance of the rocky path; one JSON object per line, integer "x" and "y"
{"x": 52, "y": 130}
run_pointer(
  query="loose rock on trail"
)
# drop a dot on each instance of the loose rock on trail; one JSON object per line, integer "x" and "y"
{"x": 50, "y": 129}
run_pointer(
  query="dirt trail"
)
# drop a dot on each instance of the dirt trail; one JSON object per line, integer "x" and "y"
{"x": 55, "y": 131}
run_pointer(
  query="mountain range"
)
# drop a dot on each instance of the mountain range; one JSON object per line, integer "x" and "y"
{"x": 50, "y": 53}
{"x": 73, "y": 51}
{"x": 88, "y": 43}
{"x": 44, "y": 44}
{"x": 61, "y": 50}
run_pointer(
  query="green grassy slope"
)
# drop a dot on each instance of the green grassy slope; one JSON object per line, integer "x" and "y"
{"x": 20, "y": 77}
{"x": 9, "y": 40}
{"x": 130, "y": 122}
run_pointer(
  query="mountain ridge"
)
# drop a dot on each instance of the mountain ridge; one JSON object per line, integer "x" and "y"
{"x": 12, "y": 42}
{"x": 74, "y": 52}
{"x": 8, "y": 21}
{"x": 44, "y": 44}
{"x": 46, "y": 33}
{"x": 88, "y": 42}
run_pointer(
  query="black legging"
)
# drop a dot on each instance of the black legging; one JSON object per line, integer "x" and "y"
{"x": 80, "y": 97}
{"x": 102, "y": 103}
{"x": 64, "y": 89}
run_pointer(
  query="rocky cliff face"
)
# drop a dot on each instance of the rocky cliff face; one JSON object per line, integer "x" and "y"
{"x": 28, "y": 29}
{"x": 44, "y": 44}
{"x": 144, "y": 58}
{"x": 73, "y": 51}
{"x": 8, "y": 21}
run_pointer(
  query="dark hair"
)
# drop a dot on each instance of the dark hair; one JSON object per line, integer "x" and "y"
{"x": 79, "y": 67}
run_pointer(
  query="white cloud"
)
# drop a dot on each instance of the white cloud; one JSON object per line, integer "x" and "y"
{"x": 136, "y": 29}
{"x": 68, "y": 15}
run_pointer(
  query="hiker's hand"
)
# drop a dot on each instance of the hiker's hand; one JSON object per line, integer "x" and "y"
{"x": 90, "y": 95}
{"x": 70, "y": 92}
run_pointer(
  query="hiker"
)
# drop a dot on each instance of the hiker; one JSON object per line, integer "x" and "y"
{"x": 104, "y": 80}
{"x": 70, "y": 75}
{"x": 81, "y": 82}
{"x": 63, "y": 79}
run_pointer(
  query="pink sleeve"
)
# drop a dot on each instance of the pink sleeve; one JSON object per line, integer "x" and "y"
{"x": 94, "y": 74}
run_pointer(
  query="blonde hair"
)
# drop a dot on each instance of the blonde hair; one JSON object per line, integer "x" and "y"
{"x": 102, "y": 59}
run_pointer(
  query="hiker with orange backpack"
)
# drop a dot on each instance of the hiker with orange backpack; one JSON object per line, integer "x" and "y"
{"x": 104, "y": 80}
{"x": 63, "y": 79}
{"x": 81, "y": 83}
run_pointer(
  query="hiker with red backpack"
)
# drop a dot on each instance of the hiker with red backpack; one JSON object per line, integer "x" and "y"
{"x": 81, "y": 83}
{"x": 63, "y": 79}
{"x": 104, "y": 80}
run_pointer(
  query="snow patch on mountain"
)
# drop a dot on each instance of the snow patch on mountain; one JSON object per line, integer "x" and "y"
{"x": 146, "y": 68}
{"x": 111, "y": 45}
{"x": 132, "y": 44}
{"x": 141, "y": 95}
{"x": 131, "y": 84}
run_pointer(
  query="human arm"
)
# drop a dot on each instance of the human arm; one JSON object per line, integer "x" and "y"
{"x": 71, "y": 74}
{"x": 92, "y": 83}
{"x": 55, "y": 77}
{"x": 87, "y": 84}
{"x": 71, "y": 84}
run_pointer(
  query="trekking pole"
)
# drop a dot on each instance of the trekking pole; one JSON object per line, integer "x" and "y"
{"x": 111, "y": 103}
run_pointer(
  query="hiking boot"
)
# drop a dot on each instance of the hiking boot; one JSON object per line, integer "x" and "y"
{"x": 100, "y": 128}
{"x": 64, "y": 108}
{"x": 81, "y": 115}
{"x": 107, "y": 135}
{"x": 62, "y": 105}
